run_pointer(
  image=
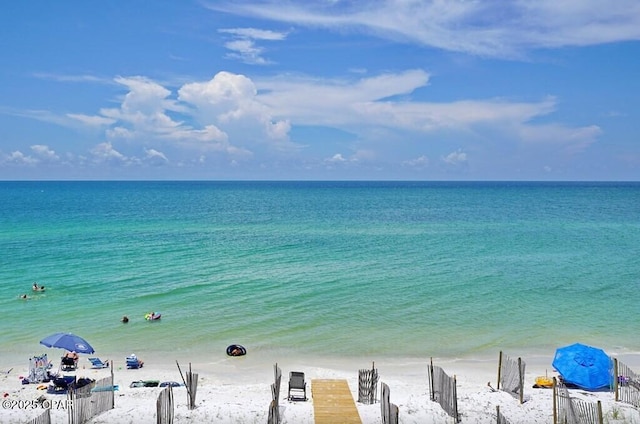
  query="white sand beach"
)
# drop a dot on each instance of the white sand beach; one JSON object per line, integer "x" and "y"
{"x": 237, "y": 390}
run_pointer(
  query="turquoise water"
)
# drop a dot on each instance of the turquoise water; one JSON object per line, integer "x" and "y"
{"x": 322, "y": 268}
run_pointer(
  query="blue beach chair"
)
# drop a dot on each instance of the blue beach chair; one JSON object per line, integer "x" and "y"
{"x": 97, "y": 363}
{"x": 133, "y": 362}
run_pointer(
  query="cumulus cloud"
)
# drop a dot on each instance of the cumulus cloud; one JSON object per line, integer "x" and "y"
{"x": 41, "y": 154}
{"x": 225, "y": 97}
{"x": 144, "y": 107}
{"x": 19, "y": 158}
{"x": 337, "y": 158}
{"x": 44, "y": 152}
{"x": 234, "y": 115}
{"x": 146, "y": 111}
{"x": 278, "y": 130}
{"x": 455, "y": 158}
{"x": 104, "y": 152}
{"x": 231, "y": 101}
{"x": 198, "y": 116}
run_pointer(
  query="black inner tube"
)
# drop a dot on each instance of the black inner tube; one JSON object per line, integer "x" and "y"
{"x": 236, "y": 350}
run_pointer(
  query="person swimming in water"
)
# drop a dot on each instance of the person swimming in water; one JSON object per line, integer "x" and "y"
{"x": 125, "y": 319}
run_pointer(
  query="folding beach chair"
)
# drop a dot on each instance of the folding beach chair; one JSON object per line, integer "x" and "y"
{"x": 39, "y": 369}
{"x": 97, "y": 363}
{"x": 297, "y": 386}
{"x": 68, "y": 364}
{"x": 133, "y": 362}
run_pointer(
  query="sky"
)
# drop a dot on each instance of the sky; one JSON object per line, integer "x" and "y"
{"x": 320, "y": 90}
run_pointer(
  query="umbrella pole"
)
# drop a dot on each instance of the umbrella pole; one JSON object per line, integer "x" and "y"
{"x": 113, "y": 398}
{"x": 615, "y": 378}
{"x": 555, "y": 401}
{"x": 499, "y": 370}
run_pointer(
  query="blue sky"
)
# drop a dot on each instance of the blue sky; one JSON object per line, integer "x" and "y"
{"x": 320, "y": 90}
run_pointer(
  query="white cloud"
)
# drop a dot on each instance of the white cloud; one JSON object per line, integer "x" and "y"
{"x": 44, "y": 152}
{"x": 92, "y": 121}
{"x": 256, "y": 34}
{"x": 19, "y": 158}
{"x": 143, "y": 111}
{"x": 335, "y": 102}
{"x": 278, "y": 130}
{"x": 233, "y": 115}
{"x": 155, "y": 157}
{"x": 71, "y": 78}
{"x": 119, "y": 133}
{"x": 104, "y": 152}
{"x": 243, "y": 46}
{"x": 419, "y": 162}
{"x": 246, "y": 51}
{"x": 40, "y": 115}
{"x": 571, "y": 140}
{"x": 231, "y": 101}
{"x": 362, "y": 105}
{"x": 337, "y": 158}
{"x": 455, "y": 158}
{"x": 144, "y": 116}
{"x": 505, "y": 28}
{"x": 225, "y": 96}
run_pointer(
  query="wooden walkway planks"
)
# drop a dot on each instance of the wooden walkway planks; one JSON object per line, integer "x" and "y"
{"x": 333, "y": 402}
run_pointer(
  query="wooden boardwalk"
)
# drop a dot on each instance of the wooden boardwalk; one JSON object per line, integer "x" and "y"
{"x": 333, "y": 403}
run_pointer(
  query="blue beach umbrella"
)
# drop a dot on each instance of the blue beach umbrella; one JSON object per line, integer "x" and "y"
{"x": 585, "y": 366}
{"x": 68, "y": 341}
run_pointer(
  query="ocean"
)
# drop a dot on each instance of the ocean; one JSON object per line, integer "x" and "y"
{"x": 326, "y": 269}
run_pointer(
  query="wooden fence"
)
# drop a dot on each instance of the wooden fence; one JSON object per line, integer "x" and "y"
{"x": 90, "y": 400}
{"x": 442, "y": 389}
{"x": 511, "y": 376}
{"x": 275, "y": 388}
{"x": 274, "y": 406}
{"x": 368, "y": 385}
{"x": 388, "y": 410}
{"x": 44, "y": 418}
{"x": 626, "y": 385}
{"x": 567, "y": 410}
{"x": 191, "y": 383}
{"x": 501, "y": 419}
{"x": 164, "y": 406}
